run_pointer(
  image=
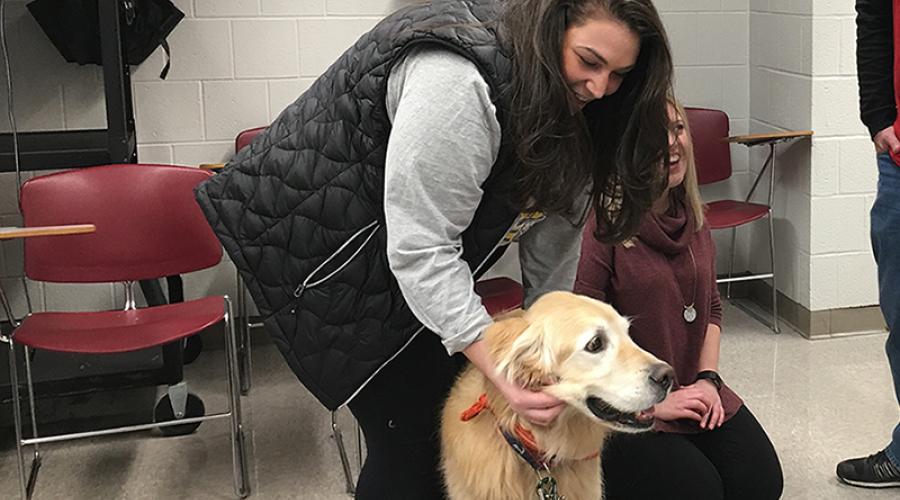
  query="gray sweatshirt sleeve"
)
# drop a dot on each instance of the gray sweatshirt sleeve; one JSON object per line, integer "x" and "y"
{"x": 549, "y": 253}
{"x": 444, "y": 141}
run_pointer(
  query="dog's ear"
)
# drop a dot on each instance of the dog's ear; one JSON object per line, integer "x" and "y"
{"x": 520, "y": 351}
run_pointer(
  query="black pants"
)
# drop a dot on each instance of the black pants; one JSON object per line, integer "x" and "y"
{"x": 735, "y": 461}
{"x": 399, "y": 412}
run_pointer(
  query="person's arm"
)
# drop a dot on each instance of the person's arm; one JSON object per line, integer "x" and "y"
{"x": 875, "y": 68}
{"x": 595, "y": 267}
{"x": 444, "y": 141}
{"x": 548, "y": 254}
{"x": 709, "y": 352}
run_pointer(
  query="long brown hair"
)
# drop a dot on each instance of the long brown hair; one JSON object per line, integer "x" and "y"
{"x": 616, "y": 144}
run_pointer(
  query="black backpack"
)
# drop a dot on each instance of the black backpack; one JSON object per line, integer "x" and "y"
{"x": 73, "y": 27}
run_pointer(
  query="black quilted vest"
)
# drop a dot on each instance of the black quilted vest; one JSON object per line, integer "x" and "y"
{"x": 300, "y": 210}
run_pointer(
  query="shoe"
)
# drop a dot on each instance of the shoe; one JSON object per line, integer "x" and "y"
{"x": 874, "y": 471}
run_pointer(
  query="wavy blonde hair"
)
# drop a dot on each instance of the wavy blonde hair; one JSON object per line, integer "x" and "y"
{"x": 689, "y": 190}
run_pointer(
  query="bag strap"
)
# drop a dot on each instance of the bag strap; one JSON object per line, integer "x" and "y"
{"x": 165, "y": 71}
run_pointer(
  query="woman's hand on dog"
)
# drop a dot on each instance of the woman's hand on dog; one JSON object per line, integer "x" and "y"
{"x": 536, "y": 407}
{"x": 539, "y": 408}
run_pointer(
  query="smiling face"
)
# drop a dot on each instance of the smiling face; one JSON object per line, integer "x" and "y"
{"x": 679, "y": 145}
{"x": 582, "y": 346}
{"x": 597, "y": 53}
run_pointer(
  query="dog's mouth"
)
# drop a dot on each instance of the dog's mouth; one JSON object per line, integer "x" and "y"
{"x": 608, "y": 413}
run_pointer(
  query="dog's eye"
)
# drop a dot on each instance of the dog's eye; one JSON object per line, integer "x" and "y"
{"x": 596, "y": 344}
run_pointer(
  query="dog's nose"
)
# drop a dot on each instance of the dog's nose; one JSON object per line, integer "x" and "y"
{"x": 662, "y": 375}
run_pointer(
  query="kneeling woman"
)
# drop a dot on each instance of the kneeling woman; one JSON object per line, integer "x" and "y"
{"x": 707, "y": 444}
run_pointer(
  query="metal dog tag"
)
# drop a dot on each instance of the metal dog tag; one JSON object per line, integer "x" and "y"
{"x": 548, "y": 490}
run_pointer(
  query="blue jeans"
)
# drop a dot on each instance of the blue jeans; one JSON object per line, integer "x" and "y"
{"x": 886, "y": 247}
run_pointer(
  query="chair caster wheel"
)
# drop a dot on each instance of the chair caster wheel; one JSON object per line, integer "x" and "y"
{"x": 163, "y": 412}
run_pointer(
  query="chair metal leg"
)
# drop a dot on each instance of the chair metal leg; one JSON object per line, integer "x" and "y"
{"x": 730, "y": 264}
{"x": 26, "y": 483}
{"x": 345, "y": 462}
{"x": 238, "y": 448}
{"x": 244, "y": 336}
{"x": 775, "y": 326}
{"x": 17, "y": 420}
{"x": 34, "y": 430}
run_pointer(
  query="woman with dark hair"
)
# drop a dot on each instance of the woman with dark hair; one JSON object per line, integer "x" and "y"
{"x": 365, "y": 213}
{"x": 706, "y": 443}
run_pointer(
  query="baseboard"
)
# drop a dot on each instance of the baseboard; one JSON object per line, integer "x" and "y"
{"x": 811, "y": 324}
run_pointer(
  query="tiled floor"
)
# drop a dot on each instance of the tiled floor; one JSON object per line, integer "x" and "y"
{"x": 820, "y": 401}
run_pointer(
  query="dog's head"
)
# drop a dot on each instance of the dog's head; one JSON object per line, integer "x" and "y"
{"x": 579, "y": 347}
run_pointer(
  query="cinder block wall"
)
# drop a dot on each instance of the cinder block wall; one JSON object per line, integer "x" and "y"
{"x": 771, "y": 64}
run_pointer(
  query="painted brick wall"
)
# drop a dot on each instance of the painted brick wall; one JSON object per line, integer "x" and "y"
{"x": 238, "y": 63}
{"x": 844, "y": 174}
{"x": 780, "y": 99}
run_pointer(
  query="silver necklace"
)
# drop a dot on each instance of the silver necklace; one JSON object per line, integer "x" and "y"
{"x": 690, "y": 313}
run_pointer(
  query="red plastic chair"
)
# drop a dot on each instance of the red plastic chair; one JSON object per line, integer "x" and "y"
{"x": 499, "y": 295}
{"x": 246, "y": 137}
{"x": 148, "y": 225}
{"x": 709, "y": 128}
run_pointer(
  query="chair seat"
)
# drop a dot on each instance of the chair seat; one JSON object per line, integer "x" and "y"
{"x": 725, "y": 214}
{"x": 119, "y": 331}
{"x": 499, "y": 295}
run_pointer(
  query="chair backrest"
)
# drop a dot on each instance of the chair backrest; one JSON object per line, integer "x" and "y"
{"x": 711, "y": 155}
{"x": 148, "y": 224}
{"x": 245, "y": 137}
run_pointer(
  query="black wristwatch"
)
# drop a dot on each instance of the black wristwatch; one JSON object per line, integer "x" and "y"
{"x": 712, "y": 376}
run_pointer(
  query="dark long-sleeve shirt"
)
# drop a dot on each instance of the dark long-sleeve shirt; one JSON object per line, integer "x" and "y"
{"x": 875, "y": 63}
{"x": 650, "y": 279}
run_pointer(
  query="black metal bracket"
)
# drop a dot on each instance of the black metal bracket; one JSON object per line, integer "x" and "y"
{"x": 79, "y": 148}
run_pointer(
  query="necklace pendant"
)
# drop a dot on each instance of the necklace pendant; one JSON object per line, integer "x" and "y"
{"x": 690, "y": 314}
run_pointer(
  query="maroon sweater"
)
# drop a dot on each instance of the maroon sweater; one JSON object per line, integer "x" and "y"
{"x": 650, "y": 279}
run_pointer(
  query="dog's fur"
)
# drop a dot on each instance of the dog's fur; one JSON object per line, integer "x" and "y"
{"x": 548, "y": 343}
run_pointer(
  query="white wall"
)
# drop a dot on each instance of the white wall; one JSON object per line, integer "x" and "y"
{"x": 803, "y": 76}
{"x": 844, "y": 173}
{"x": 780, "y": 76}
{"x": 237, "y": 63}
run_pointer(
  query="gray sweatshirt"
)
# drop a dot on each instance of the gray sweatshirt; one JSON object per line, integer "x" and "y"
{"x": 444, "y": 141}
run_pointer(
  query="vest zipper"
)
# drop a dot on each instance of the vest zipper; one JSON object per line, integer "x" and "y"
{"x": 308, "y": 283}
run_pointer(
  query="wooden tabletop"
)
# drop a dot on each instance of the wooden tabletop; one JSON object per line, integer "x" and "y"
{"x": 754, "y": 139}
{"x": 8, "y": 233}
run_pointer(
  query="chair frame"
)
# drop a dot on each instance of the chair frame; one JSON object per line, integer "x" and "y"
{"x": 27, "y": 480}
{"x": 27, "y": 476}
{"x": 770, "y": 162}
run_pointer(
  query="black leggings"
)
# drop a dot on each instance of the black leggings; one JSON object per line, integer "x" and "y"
{"x": 399, "y": 412}
{"x": 735, "y": 461}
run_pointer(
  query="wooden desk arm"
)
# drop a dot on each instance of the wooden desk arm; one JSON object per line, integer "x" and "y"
{"x": 756, "y": 139}
{"x": 8, "y": 233}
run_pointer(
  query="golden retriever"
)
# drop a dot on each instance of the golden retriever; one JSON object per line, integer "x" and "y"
{"x": 608, "y": 383}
